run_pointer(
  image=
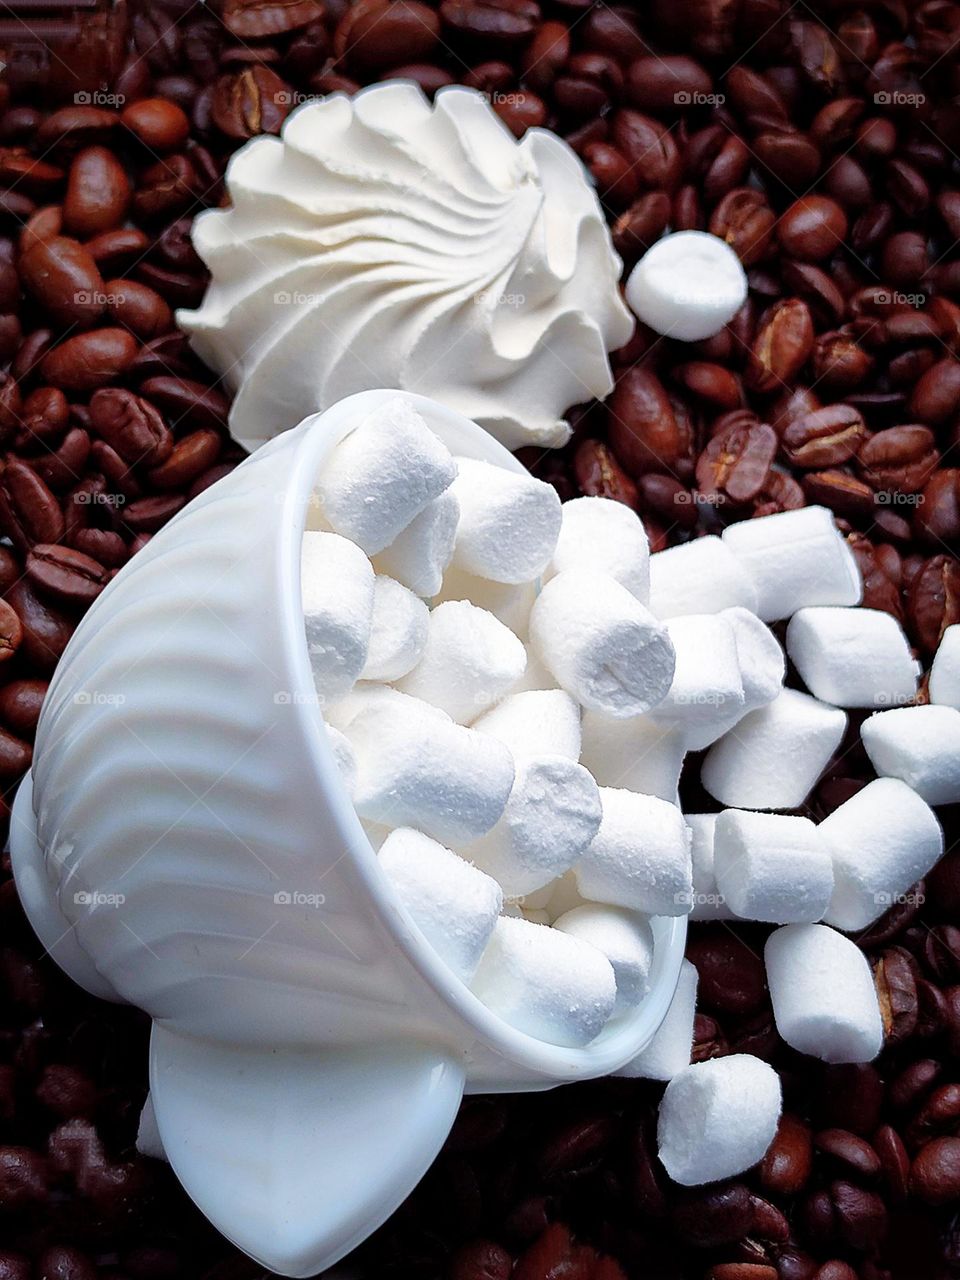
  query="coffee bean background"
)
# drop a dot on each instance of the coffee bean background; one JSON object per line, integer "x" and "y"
{"x": 821, "y": 140}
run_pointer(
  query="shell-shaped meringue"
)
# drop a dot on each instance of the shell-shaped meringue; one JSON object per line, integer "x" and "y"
{"x": 383, "y": 241}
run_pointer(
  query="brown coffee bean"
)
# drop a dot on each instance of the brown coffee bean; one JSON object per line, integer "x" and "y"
{"x": 736, "y": 462}
{"x": 89, "y": 360}
{"x": 732, "y": 978}
{"x": 64, "y": 466}
{"x": 896, "y": 987}
{"x": 786, "y": 1167}
{"x": 64, "y": 279}
{"x": 600, "y": 475}
{"x": 782, "y": 346}
{"x": 190, "y": 457}
{"x": 935, "y": 1173}
{"x": 45, "y": 629}
{"x": 742, "y": 1271}
{"x": 64, "y": 575}
{"x": 114, "y": 250}
{"x": 147, "y": 515}
{"x": 188, "y": 402}
{"x": 11, "y": 632}
{"x": 937, "y": 394}
{"x": 481, "y": 1260}
{"x": 131, "y": 425}
{"x": 714, "y": 1216}
{"x": 900, "y": 458}
{"x": 642, "y": 427}
{"x": 29, "y": 512}
{"x": 812, "y": 228}
{"x": 137, "y": 307}
{"x": 894, "y": 1162}
{"x": 392, "y": 34}
{"x": 650, "y": 147}
{"x": 98, "y": 193}
{"x": 667, "y": 84}
{"x": 641, "y": 225}
{"x": 20, "y": 700}
{"x": 934, "y": 600}
{"x": 158, "y": 123}
{"x": 853, "y": 1154}
{"x": 746, "y": 222}
{"x": 937, "y": 517}
{"x": 41, "y": 225}
{"x": 489, "y": 25}
{"x": 826, "y": 437}
{"x": 249, "y": 102}
{"x": 103, "y": 545}
{"x": 842, "y": 492}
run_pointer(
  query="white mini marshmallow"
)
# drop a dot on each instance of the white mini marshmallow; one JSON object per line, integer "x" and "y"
{"x": 687, "y": 286}
{"x": 469, "y": 662}
{"x": 365, "y": 693}
{"x": 796, "y": 558}
{"x": 775, "y": 755}
{"x": 336, "y": 589}
{"x": 771, "y": 867}
{"x": 344, "y": 758}
{"x": 606, "y": 537}
{"x": 563, "y": 895}
{"x": 419, "y": 554}
{"x": 454, "y": 905}
{"x": 669, "y": 1050}
{"x": 944, "y": 682}
{"x": 415, "y": 765}
{"x": 509, "y": 602}
{"x": 702, "y": 576}
{"x": 149, "y": 1142}
{"x": 640, "y": 857}
{"x": 760, "y": 656}
{"x": 821, "y": 987}
{"x": 536, "y": 722}
{"x": 920, "y": 745}
{"x": 604, "y": 647}
{"x": 546, "y": 983}
{"x": 882, "y": 840}
{"x": 551, "y": 816}
{"x": 382, "y": 475}
{"x": 718, "y": 1118}
{"x": 639, "y": 754}
{"x": 707, "y": 688}
{"x": 398, "y": 634}
{"x": 536, "y": 676}
{"x": 624, "y": 937}
{"x": 708, "y": 902}
{"x": 509, "y": 523}
{"x": 852, "y": 657}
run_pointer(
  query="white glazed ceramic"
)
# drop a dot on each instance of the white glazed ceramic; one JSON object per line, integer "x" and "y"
{"x": 184, "y": 844}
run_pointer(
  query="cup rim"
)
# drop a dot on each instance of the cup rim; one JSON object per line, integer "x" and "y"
{"x": 614, "y": 1047}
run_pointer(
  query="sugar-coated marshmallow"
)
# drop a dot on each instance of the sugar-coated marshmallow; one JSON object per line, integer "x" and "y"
{"x": 454, "y": 905}
{"x": 551, "y": 816}
{"x": 821, "y": 987}
{"x": 707, "y": 686}
{"x": 670, "y": 1049}
{"x": 708, "y": 902}
{"x": 945, "y": 673}
{"x": 469, "y": 661}
{"x": 718, "y": 1118}
{"x": 509, "y": 523}
{"x": 795, "y": 558}
{"x": 771, "y": 867}
{"x": 416, "y": 766}
{"x": 639, "y": 754}
{"x": 546, "y": 983}
{"x": 398, "y": 633}
{"x": 604, "y": 647}
{"x": 624, "y": 937}
{"x": 687, "y": 286}
{"x": 882, "y": 840}
{"x": 775, "y": 755}
{"x": 536, "y": 722}
{"x": 702, "y": 576}
{"x": 759, "y": 655}
{"x": 508, "y": 601}
{"x": 603, "y": 536}
{"x": 852, "y": 657}
{"x": 921, "y": 746}
{"x": 419, "y": 554}
{"x": 382, "y": 475}
{"x": 336, "y": 588}
{"x": 640, "y": 857}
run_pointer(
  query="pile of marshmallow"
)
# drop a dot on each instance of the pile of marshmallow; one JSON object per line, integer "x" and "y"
{"x": 514, "y": 747}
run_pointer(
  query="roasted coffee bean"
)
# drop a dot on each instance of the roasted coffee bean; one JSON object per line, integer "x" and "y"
{"x": 812, "y": 229}
{"x": 131, "y": 425}
{"x": 187, "y": 402}
{"x": 98, "y": 193}
{"x": 63, "y": 277}
{"x": 29, "y": 512}
{"x": 937, "y": 394}
{"x": 736, "y": 462}
{"x": 732, "y": 977}
{"x": 600, "y": 475}
{"x": 746, "y": 222}
{"x": 710, "y": 1217}
{"x": 89, "y": 360}
{"x": 894, "y": 1162}
{"x": 896, "y": 986}
{"x": 157, "y": 122}
{"x": 935, "y": 1173}
{"x": 826, "y": 437}
{"x": 850, "y": 1153}
{"x": 900, "y": 458}
{"x": 11, "y": 632}
{"x": 45, "y": 629}
{"x": 786, "y": 1167}
{"x": 20, "y": 700}
{"x": 64, "y": 575}
{"x": 933, "y": 601}
{"x": 937, "y": 517}
{"x": 642, "y": 428}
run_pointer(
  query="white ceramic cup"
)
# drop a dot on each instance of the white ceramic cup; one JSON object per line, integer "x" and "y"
{"x": 184, "y": 844}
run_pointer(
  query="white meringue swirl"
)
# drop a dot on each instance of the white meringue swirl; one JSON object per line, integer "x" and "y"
{"x": 385, "y": 242}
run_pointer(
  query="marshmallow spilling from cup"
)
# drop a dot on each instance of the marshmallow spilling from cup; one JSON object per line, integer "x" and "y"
{"x": 361, "y": 779}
